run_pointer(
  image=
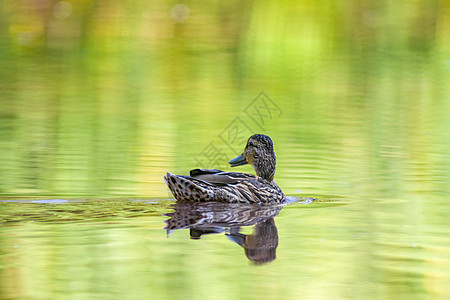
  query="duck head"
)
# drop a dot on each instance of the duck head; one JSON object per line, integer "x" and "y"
{"x": 260, "y": 155}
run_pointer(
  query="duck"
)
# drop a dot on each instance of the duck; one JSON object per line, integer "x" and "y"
{"x": 213, "y": 185}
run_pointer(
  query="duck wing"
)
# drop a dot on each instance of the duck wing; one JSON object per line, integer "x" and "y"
{"x": 205, "y": 185}
{"x": 220, "y": 178}
{"x": 244, "y": 187}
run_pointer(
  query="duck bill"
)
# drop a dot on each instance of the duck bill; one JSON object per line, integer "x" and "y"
{"x": 238, "y": 161}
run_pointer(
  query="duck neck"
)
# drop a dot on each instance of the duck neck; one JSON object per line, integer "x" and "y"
{"x": 265, "y": 169}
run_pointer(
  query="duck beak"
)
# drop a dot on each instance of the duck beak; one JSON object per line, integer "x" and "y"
{"x": 237, "y": 238}
{"x": 238, "y": 161}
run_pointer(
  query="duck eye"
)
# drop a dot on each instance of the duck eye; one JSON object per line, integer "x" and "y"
{"x": 250, "y": 144}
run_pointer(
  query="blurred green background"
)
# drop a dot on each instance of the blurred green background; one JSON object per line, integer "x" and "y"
{"x": 99, "y": 99}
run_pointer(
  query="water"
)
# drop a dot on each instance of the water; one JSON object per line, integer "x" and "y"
{"x": 98, "y": 102}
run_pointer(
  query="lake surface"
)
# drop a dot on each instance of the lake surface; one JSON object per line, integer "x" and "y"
{"x": 98, "y": 101}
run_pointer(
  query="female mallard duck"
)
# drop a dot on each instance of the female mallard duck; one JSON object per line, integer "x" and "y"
{"x": 204, "y": 185}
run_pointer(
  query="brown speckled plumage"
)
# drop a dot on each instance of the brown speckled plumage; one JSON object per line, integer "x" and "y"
{"x": 205, "y": 185}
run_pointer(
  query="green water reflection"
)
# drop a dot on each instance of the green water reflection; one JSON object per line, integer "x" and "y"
{"x": 99, "y": 99}
{"x": 118, "y": 249}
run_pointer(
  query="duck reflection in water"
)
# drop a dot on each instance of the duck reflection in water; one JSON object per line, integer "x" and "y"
{"x": 215, "y": 217}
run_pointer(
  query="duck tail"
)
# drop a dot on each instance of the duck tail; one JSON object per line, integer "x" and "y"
{"x": 186, "y": 188}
